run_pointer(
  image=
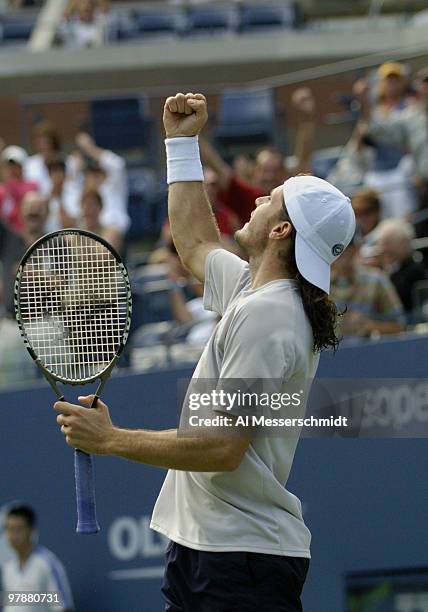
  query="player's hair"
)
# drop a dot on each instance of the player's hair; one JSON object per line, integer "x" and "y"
{"x": 25, "y": 512}
{"x": 319, "y": 308}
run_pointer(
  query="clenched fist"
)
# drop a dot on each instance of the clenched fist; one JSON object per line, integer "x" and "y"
{"x": 185, "y": 115}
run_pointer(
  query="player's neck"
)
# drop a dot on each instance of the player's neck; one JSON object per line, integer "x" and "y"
{"x": 266, "y": 268}
{"x": 24, "y": 554}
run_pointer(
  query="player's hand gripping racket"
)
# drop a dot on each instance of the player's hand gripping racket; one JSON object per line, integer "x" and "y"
{"x": 73, "y": 307}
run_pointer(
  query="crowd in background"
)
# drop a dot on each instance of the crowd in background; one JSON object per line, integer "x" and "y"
{"x": 384, "y": 168}
{"x": 86, "y": 23}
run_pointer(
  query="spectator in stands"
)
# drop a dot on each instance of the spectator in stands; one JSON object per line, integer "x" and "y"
{"x": 244, "y": 167}
{"x": 228, "y": 221}
{"x": 106, "y": 173}
{"x": 270, "y": 170}
{"x": 34, "y": 213}
{"x": 84, "y": 25}
{"x": 394, "y": 240}
{"x": 370, "y": 303}
{"x": 369, "y": 161}
{"x": 393, "y": 83}
{"x": 366, "y": 205}
{"x": 14, "y": 364}
{"x": 47, "y": 144}
{"x": 421, "y": 88}
{"x": 421, "y": 84}
{"x": 14, "y": 186}
{"x": 62, "y": 200}
{"x": 35, "y": 568}
{"x": 407, "y": 130}
{"x": 91, "y": 211}
{"x": 231, "y": 192}
{"x": 355, "y": 159}
{"x": 392, "y": 170}
{"x": 185, "y": 310}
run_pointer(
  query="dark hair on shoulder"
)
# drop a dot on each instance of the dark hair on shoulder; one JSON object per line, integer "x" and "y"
{"x": 319, "y": 308}
{"x": 25, "y": 512}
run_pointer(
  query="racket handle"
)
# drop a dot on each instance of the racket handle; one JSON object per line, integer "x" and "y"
{"x": 85, "y": 494}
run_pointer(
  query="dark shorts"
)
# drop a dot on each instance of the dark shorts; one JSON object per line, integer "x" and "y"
{"x": 198, "y": 581}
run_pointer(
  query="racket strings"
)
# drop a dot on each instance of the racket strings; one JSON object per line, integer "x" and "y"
{"x": 73, "y": 302}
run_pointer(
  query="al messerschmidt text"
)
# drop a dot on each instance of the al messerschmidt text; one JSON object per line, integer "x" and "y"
{"x": 263, "y": 421}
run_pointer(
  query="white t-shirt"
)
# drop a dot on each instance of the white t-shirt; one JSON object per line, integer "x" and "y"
{"x": 43, "y": 572}
{"x": 263, "y": 333}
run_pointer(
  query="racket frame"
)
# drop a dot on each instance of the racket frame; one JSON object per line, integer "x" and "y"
{"x": 85, "y": 490}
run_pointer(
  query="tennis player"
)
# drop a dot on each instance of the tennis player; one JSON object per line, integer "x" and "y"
{"x": 238, "y": 541}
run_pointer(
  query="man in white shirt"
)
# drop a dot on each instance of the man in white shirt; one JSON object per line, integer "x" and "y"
{"x": 87, "y": 27}
{"x": 238, "y": 541}
{"x": 35, "y": 568}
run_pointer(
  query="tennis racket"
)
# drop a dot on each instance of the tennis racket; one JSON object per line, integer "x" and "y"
{"x": 73, "y": 307}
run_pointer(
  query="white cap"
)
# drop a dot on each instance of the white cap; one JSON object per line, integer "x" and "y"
{"x": 324, "y": 222}
{"x": 14, "y": 154}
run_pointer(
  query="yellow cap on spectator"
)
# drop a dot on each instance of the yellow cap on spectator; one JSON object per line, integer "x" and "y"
{"x": 391, "y": 68}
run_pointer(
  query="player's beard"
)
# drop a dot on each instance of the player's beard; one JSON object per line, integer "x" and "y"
{"x": 251, "y": 241}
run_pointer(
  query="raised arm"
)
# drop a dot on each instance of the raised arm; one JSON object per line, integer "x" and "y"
{"x": 193, "y": 226}
{"x": 304, "y": 102}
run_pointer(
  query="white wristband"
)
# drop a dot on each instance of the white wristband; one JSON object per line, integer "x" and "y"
{"x": 183, "y": 160}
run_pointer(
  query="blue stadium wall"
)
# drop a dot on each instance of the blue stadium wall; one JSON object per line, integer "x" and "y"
{"x": 364, "y": 500}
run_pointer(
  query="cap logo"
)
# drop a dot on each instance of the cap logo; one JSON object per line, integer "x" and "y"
{"x": 337, "y": 249}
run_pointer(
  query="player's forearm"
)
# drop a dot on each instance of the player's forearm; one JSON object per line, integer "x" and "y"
{"x": 166, "y": 449}
{"x": 191, "y": 217}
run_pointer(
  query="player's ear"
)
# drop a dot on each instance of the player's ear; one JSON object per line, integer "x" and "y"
{"x": 281, "y": 230}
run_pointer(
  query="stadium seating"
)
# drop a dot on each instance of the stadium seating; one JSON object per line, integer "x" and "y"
{"x": 143, "y": 24}
{"x": 246, "y": 117}
{"x": 261, "y": 17}
{"x": 150, "y": 287}
{"x": 120, "y": 124}
{"x": 155, "y": 23}
{"x": 16, "y": 30}
{"x": 146, "y": 204}
{"x": 209, "y": 20}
